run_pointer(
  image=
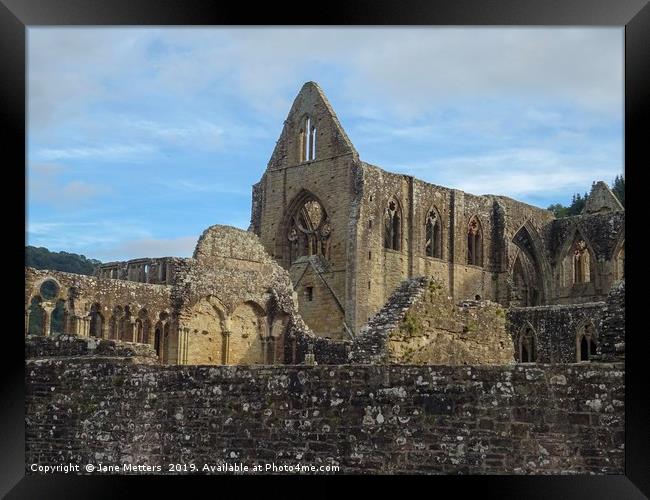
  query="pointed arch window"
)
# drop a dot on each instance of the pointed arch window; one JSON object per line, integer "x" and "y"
{"x": 527, "y": 347}
{"x": 433, "y": 241}
{"x": 393, "y": 226}
{"x": 307, "y": 140}
{"x": 620, "y": 263}
{"x": 586, "y": 343}
{"x": 576, "y": 266}
{"x": 474, "y": 242}
{"x": 309, "y": 230}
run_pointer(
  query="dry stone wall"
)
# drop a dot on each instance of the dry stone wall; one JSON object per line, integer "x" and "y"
{"x": 523, "y": 419}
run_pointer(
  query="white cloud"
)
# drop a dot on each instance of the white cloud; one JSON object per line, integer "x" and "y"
{"x": 103, "y": 152}
{"x": 152, "y": 247}
{"x": 515, "y": 172}
{"x": 406, "y": 70}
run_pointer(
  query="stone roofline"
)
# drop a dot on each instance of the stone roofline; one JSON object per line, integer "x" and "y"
{"x": 450, "y": 190}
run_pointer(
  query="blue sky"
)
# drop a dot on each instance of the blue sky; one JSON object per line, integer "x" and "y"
{"x": 139, "y": 139}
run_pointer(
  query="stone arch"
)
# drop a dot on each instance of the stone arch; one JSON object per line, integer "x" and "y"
{"x": 475, "y": 241}
{"x": 586, "y": 341}
{"x": 305, "y": 229}
{"x": 393, "y": 222}
{"x": 158, "y": 339}
{"x": 97, "y": 324}
{"x": 160, "y": 335}
{"x": 126, "y": 325}
{"x": 35, "y": 316}
{"x": 202, "y": 333}
{"x": 248, "y": 329}
{"x": 114, "y": 323}
{"x": 142, "y": 326}
{"x": 526, "y": 347}
{"x": 530, "y": 269}
{"x": 576, "y": 261}
{"x": 57, "y": 317}
{"x": 433, "y": 233}
{"x": 273, "y": 347}
{"x": 38, "y": 291}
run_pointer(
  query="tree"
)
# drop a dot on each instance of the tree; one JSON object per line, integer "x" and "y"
{"x": 42, "y": 258}
{"x": 577, "y": 205}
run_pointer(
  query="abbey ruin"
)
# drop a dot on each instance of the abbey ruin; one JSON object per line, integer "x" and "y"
{"x": 376, "y": 321}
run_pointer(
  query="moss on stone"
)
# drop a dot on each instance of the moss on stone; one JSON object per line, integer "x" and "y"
{"x": 412, "y": 324}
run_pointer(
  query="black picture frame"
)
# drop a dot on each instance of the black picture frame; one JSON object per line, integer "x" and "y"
{"x": 17, "y": 15}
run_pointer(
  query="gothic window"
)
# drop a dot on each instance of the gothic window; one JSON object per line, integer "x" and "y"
{"x": 586, "y": 343}
{"x": 157, "y": 341}
{"x": 576, "y": 266}
{"x": 620, "y": 264}
{"x": 393, "y": 226}
{"x": 433, "y": 242}
{"x": 307, "y": 140}
{"x": 527, "y": 348}
{"x": 309, "y": 231}
{"x": 580, "y": 262}
{"x": 474, "y": 242}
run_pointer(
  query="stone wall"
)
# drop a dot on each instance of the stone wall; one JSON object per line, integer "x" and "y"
{"x": 604, "y": 235}
{"x": 556, "y": 328}
{"x": 156, "y": 270}
{"x": 63, "y": 346}
{"x": 523, "y": 419}
{"x": 93, "y": 306}
{"x": 420, "y": 324}
{"x": 612, "y": 339}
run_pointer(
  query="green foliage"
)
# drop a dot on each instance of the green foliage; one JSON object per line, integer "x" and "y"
{"x": 434, "y": 286}
{"x": 578, "y": 201}
{"x": 411, "y": 324}
{"x": 577, "y": 204}
{"x": 42, "y": 258}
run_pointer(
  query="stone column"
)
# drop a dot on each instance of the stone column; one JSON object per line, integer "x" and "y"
{"x": 76, "y": 325}
{"x": 161, "y": 340}
{"x": 183, "y": 336}
{"x": 131, "y": 330}
{"x": 66, "y": 322}
{"x": 225, "y": 357}
{"x": 27, "y": 314}
{"x": 86, "y": 326}
{"x": 47, "y": 318}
